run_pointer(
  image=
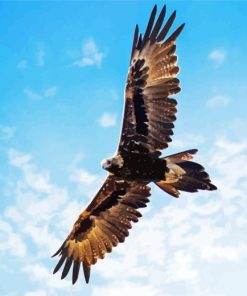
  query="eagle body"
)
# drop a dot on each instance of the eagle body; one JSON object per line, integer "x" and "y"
{"x": 137, "y": 166}
{"x": 147, "y": 127}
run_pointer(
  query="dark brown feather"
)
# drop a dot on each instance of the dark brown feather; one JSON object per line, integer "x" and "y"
{"x": 105, "y": 222}
{"x": 86, "y": 270}
{"x": 150, "y": 24}
{"x": 60, "y": 263}
{"x": 176, "y": 33}
{"x": 66, "y": 267}
{"x": 167, "y": 27}
{"x": 139, "y": 43}
{"x": 149, "y": 112}
{"x": 76, "y": 269}
{"x": 134, "y": 41}
{"x": 158, "y": 25}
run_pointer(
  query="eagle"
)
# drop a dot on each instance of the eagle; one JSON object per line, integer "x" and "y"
{"x": 147, "y": 127}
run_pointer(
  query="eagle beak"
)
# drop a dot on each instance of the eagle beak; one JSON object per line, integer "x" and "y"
{"x": 105, "y": 164}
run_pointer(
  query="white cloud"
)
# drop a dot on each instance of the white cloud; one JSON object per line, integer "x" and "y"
{"x": 7, "y": 132}
{"x": 188, "y": 140}
{"x": 36, "y": 181}
{"x": 12, "y": 213}
{"x": 222, "y": 253}
{"x": 107, "y": 119}
{"x": 218, "y": 56}
{"x": 17, "y": 158}
{"x": 35, "y": 96}
{"x": 173, "y": 249}
{"x": 83, "y": 176}
{"x": 87, "y": 184}
{"x": 218, "y": 100}
{"x": 123, "y": 288}
{"x": 22, "y": 64}
{"x": 10, "y": 241}
{"x": 38, "y": 202}
{"x": 79, "y": 156}
{"x": 180, "y": 267}
{"x": 36, "y": 293}
{"x": 90, "y": 55}
{"x": 50, "y": 92}
{"x": 40, "y": 55}
{"x": 180, "y": 247}
{"x": 114, "y": 94}
{"x": 32, "y": 94}
{"x": 14, "y": 293}
{"x": 40, "y": 273}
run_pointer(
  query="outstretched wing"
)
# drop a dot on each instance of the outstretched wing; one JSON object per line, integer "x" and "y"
{"x": 103, "y": 224}
{"x": 149, "y": 110}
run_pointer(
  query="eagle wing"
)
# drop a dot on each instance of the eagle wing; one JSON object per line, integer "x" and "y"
{"x": 149, "y": 110}
{"x": 103, "y": 224}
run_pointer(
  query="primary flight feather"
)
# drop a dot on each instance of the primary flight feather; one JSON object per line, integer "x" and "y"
{"x": 147, "y": 126}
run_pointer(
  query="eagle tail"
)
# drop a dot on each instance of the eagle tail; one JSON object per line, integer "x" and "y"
{"x": 184, "y": 175}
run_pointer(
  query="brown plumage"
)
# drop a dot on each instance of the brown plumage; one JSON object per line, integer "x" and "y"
{"x": 104, "y": 223}
{"x": 149, "y": 110}
{"x": 148, "y": 123}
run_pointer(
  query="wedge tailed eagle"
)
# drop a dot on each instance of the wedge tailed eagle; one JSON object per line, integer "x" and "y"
{"x": 148, "y": 122}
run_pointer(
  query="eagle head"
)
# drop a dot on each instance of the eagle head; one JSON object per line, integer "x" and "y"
{"x": 112, "y": 164}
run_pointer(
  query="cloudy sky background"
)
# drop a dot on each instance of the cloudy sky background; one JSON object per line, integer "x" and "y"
{"x": 64, "y": 66}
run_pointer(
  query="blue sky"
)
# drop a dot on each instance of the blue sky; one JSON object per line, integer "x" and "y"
{"x": 64, "y": 67}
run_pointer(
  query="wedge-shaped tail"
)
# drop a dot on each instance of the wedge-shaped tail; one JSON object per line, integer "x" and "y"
{"x": 184, "y": 175}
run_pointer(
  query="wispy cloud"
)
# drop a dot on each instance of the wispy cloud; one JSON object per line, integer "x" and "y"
{"x": 83, "y": 176}
{"x": 114, "y": 94}
{"x": 17, "y": 158}
{"x": 123, "y": 288}
{"x": 91, "y": 55}
{"x": 7, "y": 132}
{"x": 184, "y": 238}
{"x": 222, "y": 253}
{"x": 22, "y": 64}
{"x": 50, "y": 92}
{"x": 34, "y": 95}
{"x": 107, "y": 119}
{"x": 10, "y": 241}
{"x": 40, "y": 273}
{"x": 31, "y": 94}
{"x": 40, "y": 198}
{"x": 218, "y": 56}
{"x": 40, "y": 55}
{"x": 218, "y": 100}
{"x": 42, "y": 214}
{"x": 36, "y": 293}
{"x": 187, "y": 140}
{"x": 178, "y": 242}
{"x": 86, "y": 182}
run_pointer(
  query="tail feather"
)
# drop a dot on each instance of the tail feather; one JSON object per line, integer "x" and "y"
{"x": 168, "y": 188}
{"x": 181, "y": 157}
{"x": 184, "y": 175}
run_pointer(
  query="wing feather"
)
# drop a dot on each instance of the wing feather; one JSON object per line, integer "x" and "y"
{"x": 176, "y": 33}
{"x": 105, "y": 223}
{"x": 136, "y": 34}
{"x": 150, "y": 24}
{"x": 66, "y": 267}
{"x": 158, "y": 24}
{"x": 60, "y": 262}
{"x": 148, "y": 121}
{"x": 86, "y": 270}
{"x": 167, "y": 27}
{"x": 76, "y": 270}
{"x": 150, "y": 111}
